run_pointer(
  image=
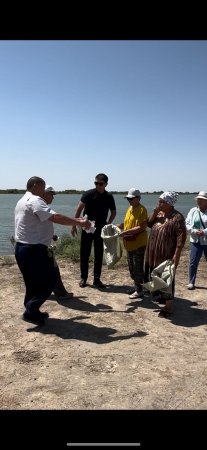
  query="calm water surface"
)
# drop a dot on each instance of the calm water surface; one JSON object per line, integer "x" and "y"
{"x": 66, "y": 204}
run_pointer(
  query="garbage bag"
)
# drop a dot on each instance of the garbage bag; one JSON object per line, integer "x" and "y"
{"x": 161, "y": 277}
{"x": 112, "y": 245}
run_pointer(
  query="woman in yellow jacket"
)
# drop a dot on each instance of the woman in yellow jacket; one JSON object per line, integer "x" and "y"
{"x": 134, "y": 236}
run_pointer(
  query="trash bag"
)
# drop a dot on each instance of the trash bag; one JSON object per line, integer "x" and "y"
{"x": 112, "y": 245}
{"x": 162, "y": 277}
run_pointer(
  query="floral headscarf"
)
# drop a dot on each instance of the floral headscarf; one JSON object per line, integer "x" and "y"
{"x": 169, "y": 197}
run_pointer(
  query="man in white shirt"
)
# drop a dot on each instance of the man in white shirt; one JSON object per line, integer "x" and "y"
{"x": 33, "y": 233}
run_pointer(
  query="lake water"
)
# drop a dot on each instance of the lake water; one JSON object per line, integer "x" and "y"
{"x": 66, "y": 204}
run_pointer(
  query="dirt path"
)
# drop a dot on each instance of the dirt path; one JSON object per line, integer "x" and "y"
{"x": 101, "y": 350}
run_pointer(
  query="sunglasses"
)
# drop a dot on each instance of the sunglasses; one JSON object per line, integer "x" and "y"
{"x": 98, "y": 183}
{"x": 130, "y": 199}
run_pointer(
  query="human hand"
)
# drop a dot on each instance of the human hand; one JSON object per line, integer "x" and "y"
{"x": 176, "y": 260}
{"x": 74, "y": 230}
{"x": 156, "y": 210}
{"x": 84, "y": 223}
{"x": 200, "y": 232}
{"x": 176, "y": 257}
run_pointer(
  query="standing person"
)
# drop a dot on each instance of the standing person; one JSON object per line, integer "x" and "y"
{"x": 135, "y": 239}
{"x": 196, "y": 223}
{"x": 59, "y": 289}
{"x": 166, "y": 240}
{"x": 33, "y": 233}
{"x": 96, "y": 204}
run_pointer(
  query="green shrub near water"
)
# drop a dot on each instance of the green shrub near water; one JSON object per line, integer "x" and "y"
{"x": 69, "y": 247}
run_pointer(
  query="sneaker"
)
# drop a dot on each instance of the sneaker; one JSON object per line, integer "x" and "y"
{"x": 82, "y": 283}
{"x": 130, "y": 291}
{"x": 136, "y": 294}
{"x": 37, "y": 318}
{"x": 190, "y": 286}
{"x": 98, "y": 283}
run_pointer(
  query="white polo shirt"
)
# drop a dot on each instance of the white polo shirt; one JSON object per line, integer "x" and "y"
{"x": 31, "y": 220}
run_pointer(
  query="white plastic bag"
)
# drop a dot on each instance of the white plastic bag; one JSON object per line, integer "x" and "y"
{"x": 92, "y": 228}
{"x": 112, "y": 245}
{"x": 162, "y": 277}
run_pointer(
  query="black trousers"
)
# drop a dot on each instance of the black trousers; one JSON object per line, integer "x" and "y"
{"x": 37, "y": 268}
{"x": 59, "y": 288}
{"x": 85, "y": 250}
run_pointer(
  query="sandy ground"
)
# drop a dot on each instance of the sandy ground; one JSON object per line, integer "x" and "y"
{"x": 101, "y": 350}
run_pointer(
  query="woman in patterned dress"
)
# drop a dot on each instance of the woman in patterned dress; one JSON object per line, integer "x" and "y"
{"x": 166, "y": 240}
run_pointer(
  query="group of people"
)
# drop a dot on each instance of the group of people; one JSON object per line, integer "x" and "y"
{"x": 166, "y": 240}
{"x": 34, "y": 232}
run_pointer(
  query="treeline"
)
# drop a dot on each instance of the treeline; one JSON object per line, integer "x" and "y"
{"x": 74, "y": 191}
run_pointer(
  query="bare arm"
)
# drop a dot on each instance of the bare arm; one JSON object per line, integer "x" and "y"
{"x": 135, "y": 230}
{"x": 65, "y": 220}
{"x": 154, "y": 214}
{"x": 181, "y": 234}
{"x": 120, "y": 225}
{"x": 112, "y": 216}
{"x": 79, "y": 209}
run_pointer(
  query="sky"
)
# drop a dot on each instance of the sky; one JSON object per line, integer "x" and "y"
{"x": 135, "y": 110}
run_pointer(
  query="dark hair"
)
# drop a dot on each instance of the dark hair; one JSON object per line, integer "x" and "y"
{"x": 102, "y": 177}
{"x": 34, "y": 180}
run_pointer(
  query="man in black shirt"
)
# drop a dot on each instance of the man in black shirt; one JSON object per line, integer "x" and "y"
{"x": 96, "y": 204}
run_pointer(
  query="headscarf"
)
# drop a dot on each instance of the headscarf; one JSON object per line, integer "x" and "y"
{"x": 170, "y": 197}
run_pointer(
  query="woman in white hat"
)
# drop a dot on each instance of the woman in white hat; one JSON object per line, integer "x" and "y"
{"x": 196, "y": 223}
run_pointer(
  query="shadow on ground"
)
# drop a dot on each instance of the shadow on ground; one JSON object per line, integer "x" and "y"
{"x": 78, "y": 304}
{"x": 72, "y": 329}
{"x": 81, "y": 305}
{"x": 116, "y": 289}
{"x": 186, "y": 313}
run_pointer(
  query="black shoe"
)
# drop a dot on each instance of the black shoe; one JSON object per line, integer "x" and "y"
{"x": 66, "y": 296}
{"x": 164, "y": 313}
{"x": 37, "y": 318}
{"x": 82, "y": 283}
{"x": 44, "y": 314}
{"x": 98, "y": 283}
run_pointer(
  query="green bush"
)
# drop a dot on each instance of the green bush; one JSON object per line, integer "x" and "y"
{"x": 8, "y": 260}
{"x": 69, "y": 247}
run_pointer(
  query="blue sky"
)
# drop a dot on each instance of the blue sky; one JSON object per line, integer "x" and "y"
{"x": 133, "y": 109}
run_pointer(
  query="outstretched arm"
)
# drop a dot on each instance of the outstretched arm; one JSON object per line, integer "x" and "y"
{"x": 112, "y": 216}
{"x": 65, "y": 220}
{"x": 79, "y": 209}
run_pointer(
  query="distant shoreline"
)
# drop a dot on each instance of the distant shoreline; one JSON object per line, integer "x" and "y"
{"x": 73, "y": 191}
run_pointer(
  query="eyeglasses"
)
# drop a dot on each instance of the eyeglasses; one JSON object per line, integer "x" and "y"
{"x": 130, "y": 199}
{"x": 98, "y": 183}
